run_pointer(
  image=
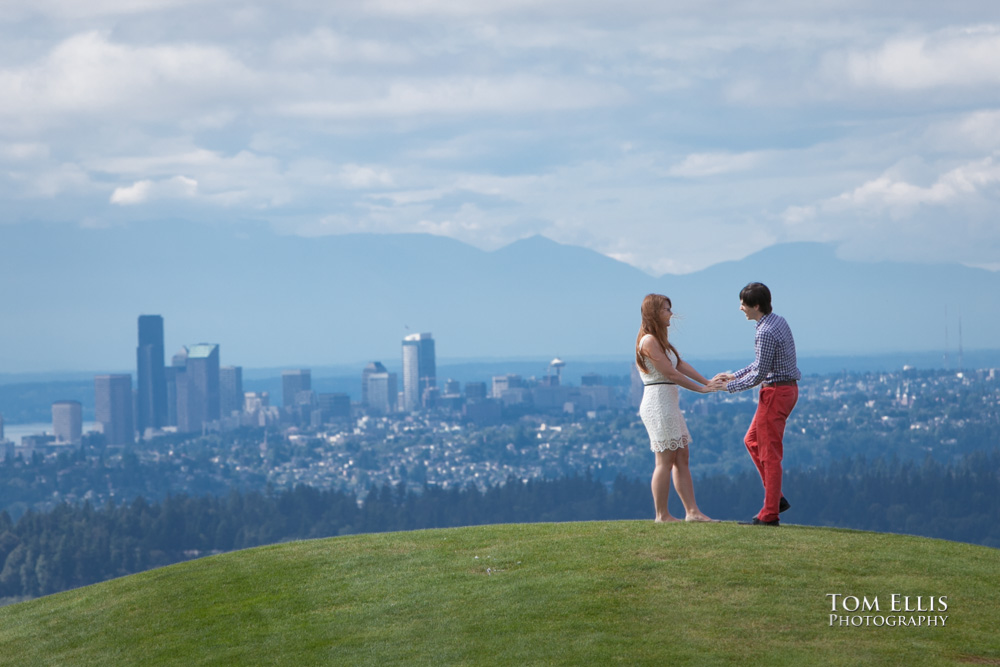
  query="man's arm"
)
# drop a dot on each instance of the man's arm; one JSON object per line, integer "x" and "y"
{"x": 765, "y": 347}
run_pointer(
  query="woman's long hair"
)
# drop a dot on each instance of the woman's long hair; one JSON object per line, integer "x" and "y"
{"x": 652, "y": 305}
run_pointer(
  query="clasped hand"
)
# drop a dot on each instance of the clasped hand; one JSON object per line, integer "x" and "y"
{"x": 718, "y": 383}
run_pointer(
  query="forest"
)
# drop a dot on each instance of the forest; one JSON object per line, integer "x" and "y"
{"x": 74, "y": 545}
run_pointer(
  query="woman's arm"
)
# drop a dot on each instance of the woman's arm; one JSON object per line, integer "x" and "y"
{"x": 653, "y": 351}
{"x": 687, "y": 369}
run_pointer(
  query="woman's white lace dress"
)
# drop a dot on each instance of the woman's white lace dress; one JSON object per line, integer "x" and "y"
{"x": 661, "y": 412}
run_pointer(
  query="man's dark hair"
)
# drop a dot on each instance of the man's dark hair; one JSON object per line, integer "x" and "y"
{"x": 757, "y": 295}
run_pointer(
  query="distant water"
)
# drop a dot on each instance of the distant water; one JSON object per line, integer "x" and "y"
{"x": 17, "y": 431}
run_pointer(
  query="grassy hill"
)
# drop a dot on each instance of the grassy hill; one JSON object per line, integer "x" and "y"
{"x": 624, "y": 592}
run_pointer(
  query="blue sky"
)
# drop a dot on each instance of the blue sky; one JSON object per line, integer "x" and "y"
{"x": 670, "y": 135}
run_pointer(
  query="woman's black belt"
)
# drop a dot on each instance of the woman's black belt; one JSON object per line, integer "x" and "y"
{"x": 647, "y": 384}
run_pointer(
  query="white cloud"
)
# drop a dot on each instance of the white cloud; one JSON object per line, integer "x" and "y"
{"x": 141, "y": 192}
{"x": 951, "y": 217}
{"x": 160, "y": 160}
{"x": 137, "y": 193}
{"x": 454, "y": 8}
{"x": 467, "y": 223}
{"x": 323, "y": 47}
{"x": 358, "y": 176}
{"x": 950, "y": 58}
{"x": 24, "y": 151}
{"x": 88, "y": 74}
{"x": 58, "y": 180}
{"x": 462, "y": 95}
{"x": 898, "y": 198}
{"x": 795, "y": 215}
{"x": 243, "y": 179}
{"x": 405, "y": 197}
{"x": 974, "y": 132}
{"x": 713, "y": 164}
{"x": 12, "y": 10}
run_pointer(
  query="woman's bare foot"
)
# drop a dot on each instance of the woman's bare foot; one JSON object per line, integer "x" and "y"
{"x": 669, "y": 519}
{"x": 698, "y": 517}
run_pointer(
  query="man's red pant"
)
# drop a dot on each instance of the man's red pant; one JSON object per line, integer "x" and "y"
{"x": 763, "y": 441}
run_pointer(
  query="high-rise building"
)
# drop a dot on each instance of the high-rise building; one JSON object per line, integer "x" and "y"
{"x": 6, "y": 446}
{"x": 502, "y": 383}
{"x": 333, "y": 406}
{"x": 170, "y": 373}
{"x": 198, "y": 388}
{"x": 230, "y": 390}
{"x": 113, "y": 408}
{"x": 180, "y": 359}
{"x": 475, "y": 391}
{"x": 369, "y": 370}
{"x": 67, "y": 421}
{"x": 293, "y": 382}
{"x": 151, "y": 403}
{"x": 419, "y": 369}
{"x": 178, "y": 364}
{"x": 254, "y": 401}
{"x": 379, "y": 394}
{"x": 257, "y": 410}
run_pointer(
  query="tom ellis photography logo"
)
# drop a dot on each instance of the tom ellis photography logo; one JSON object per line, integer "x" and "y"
{"x": 896, "y": 611}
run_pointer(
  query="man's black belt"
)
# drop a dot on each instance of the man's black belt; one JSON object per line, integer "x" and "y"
{"x": 781, "y": 383}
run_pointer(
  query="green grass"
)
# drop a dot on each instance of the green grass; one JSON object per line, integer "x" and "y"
{"x": 624, "y": 592}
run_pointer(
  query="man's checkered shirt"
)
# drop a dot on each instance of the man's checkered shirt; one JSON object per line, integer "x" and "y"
{"x": 775, "y": 351}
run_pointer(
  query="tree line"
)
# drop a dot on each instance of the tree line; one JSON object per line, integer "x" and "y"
{"x": 75, "y": 545}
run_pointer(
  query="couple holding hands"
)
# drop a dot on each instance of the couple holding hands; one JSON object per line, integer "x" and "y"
{"x": 662, "y": 371}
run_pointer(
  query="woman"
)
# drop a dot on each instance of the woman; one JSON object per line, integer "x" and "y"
{"x": 662, "y": 370}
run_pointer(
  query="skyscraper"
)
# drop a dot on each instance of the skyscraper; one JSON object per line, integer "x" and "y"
{"x": 475, "y": 391}
{"x": 113, "y": 408}
{"x": 175, "y": 377}
{"x": 419, "y": 369}
{"x": 151, "y": 404}
{"x": 378, "y": 389}
{"x": 170, "y": 373}
{"x": 67, "y": 421}
{"x": 333, "y": 406}
{"x": 198, "y": 388}
{"x": 293, "y": 382}
{"x": 369, "y": 370}
{"x": 6, "y": 446}
{"x": 230, "y": 390}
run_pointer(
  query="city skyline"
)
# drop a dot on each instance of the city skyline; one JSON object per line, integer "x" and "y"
{"x": 200, "y": 394}
{"x": 197, "y": 393}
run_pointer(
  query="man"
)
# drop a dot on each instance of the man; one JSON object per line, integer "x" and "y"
{"x": 775, "y": 369}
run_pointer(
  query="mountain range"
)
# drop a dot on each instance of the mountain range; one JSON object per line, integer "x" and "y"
{"x": 71, "y": 298}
